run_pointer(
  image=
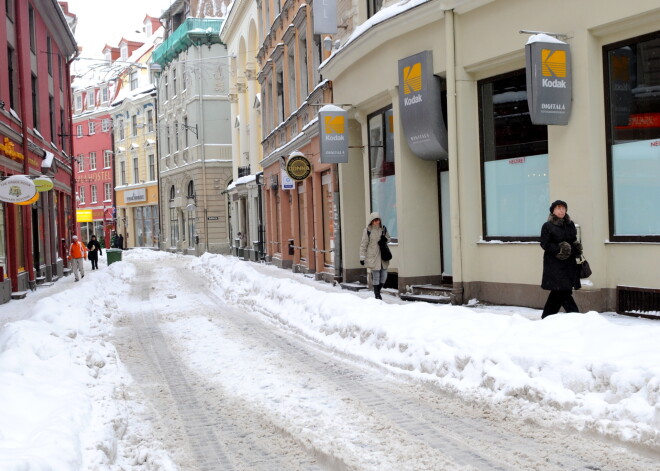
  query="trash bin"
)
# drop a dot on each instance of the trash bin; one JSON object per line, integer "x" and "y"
{"x": 113, "y": 255}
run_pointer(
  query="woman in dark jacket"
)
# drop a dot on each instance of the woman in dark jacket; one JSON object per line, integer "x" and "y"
{"x": 94, "y": 251}
{"x": 560, "y": 270}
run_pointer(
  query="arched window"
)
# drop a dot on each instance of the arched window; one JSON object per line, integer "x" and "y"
{"x": 172, "y": 193}
{"x": 191, "y": 189}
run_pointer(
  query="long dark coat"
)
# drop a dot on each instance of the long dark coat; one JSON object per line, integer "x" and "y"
{"x": 558, "y": 274}
{"x": 94, "y": 250}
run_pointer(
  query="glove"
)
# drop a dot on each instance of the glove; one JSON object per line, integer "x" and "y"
{"x": 577, "y": 249}
{"x": 564, "y": 250}
{"x": 361, "y": 262}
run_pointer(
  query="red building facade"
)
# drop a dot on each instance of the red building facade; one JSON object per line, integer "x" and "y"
{"x": 36, "y": 47}
{"x": 93, "y": 163}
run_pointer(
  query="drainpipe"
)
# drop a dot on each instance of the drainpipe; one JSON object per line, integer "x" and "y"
{"x": 260, "y": 227}
{"x": 25, "y": 212}
{"x": 201, "y": 140}
{"x": 452, "y": 138}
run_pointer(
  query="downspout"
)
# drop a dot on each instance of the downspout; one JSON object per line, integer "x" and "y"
{"x": 452, "y": 140}
{"x": 201, "y": 141}
{"x": 157, "y": 162}
{"x": 260, "y": 227}
{"x": 25, "y": 211}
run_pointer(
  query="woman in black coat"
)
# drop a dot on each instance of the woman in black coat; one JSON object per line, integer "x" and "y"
{"x": 560, "y": 270}
{"x": 94, "y": 251}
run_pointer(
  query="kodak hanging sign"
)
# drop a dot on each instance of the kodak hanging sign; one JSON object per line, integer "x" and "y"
{"x": 420, "y": 108}
{"x": 333, "y": 122}
{"x": 549, "y": 80}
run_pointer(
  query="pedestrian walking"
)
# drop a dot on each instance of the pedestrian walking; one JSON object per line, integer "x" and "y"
{"x": 77, "y": 253}
{"x": 560, "y": 270}
{"x": 120, "y": 242}
{"x": 370, "y": 252}
{"x": 94, "y": 248}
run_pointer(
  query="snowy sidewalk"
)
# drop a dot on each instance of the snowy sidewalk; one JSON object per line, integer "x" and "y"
{"x": 63, "y": 401}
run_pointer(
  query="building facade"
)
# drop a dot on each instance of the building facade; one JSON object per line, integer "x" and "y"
{"x": 471, "y": 215}
{"x": 245, "y": 193}
{"x": 301, "y": 216}
{"x": 134, "y": 117}
{"x": 36, "y": 45}
{"x": 195, "y": 151}
{"x": 94, "y": 159}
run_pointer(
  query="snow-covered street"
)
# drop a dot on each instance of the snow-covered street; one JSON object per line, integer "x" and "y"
{"x": 166, "y": 362}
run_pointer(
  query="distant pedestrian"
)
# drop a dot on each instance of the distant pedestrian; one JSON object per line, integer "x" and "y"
{"x": 370, "y": 255}
{"x": 94, "y": 252}
{"x": 560, "y": 270}
{"x": 120, "y": 242}
{"x": 114, "y": 240}
{"x": 77, "y": 253}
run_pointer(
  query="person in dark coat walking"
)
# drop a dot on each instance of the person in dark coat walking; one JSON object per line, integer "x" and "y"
{"x": 94, "y": 250}
{"x": 560, "y": 270}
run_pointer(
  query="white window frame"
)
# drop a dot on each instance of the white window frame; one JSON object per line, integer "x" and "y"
{"x": 107, "y": 188}
{"x": 79, "y": 130}
{"x": 81, "y": 163}
{"x": 94, "y": 193}
{"x": 105, "y": 125}
{"x": 91, "y": 127}
{"x": 92, "y": 160}
{"x": 107, "y": 158}
{"x": 81, "y": 195}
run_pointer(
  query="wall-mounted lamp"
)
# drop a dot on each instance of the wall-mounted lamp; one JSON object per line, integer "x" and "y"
{"x": 2, "y": 105}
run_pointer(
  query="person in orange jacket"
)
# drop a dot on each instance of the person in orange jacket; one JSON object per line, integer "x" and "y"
{"x": 77, "y": 253}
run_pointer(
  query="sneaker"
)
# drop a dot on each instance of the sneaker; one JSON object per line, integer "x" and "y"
{"x": 76, "y": 279}
{"x": 82, "y": 276}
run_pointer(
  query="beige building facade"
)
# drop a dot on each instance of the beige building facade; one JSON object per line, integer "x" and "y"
{"x": 473, "y": 220}
{"x": 194, "y": 126}
{"x": 240, "y": 33}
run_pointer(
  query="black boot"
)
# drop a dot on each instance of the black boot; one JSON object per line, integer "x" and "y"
{"x": 377, "y": 289}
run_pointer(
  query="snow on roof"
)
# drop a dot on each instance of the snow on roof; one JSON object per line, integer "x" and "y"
{"x": 381, "y": 16}
{"x": 543, "y": 38}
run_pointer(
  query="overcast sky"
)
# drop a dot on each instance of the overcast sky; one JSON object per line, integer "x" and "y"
{"x": 101, "y": 22}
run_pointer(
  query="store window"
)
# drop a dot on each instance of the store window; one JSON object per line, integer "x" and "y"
{"x": 381, "y": 163}
{"x": 632, "y": 81}
{"x": 146, "y": 226}
{"x": 514, "y": 153}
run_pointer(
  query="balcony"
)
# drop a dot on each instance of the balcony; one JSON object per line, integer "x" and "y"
{"x": 243, "y": 171}
{"x": 193, "y": 31}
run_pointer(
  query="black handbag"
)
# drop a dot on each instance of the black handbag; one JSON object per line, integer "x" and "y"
{"x": 583, "y": 268}
{"x": 385, "y": 253}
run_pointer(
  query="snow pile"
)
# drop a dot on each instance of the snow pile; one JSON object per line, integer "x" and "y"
{"x": 63, "y": 400}
{"x": 582, "y": 369}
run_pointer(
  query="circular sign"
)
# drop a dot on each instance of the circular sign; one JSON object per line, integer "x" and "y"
{"x": 298, "y": 167}
{"x": 43, "y": 183}
{"x": 16, "y": 189}
{"x": 34, "y": 199}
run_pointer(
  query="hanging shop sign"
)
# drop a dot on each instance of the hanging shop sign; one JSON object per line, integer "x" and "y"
{"x": 34, "y": 199}
{"x": 421, "y": 108}
{"x": 287, "y": 182}
{"x": 333, "y": 122}
{"x": 549, "y": 80}
{"x": 298, "y": 167}
{"x": 84, "y": 215}
{"x": 16, "y": 189}
{"x": 43, "y": 183}
{"x": 325, "y": 16}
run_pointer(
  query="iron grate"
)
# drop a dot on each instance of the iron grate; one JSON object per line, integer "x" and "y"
{"x": 641, "y": 302}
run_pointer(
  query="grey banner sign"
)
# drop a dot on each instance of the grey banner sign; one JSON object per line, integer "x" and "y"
{"x": 325, "y": 16}
{"x": 333, "y": 122}
{"x": 549, "y": 82}
{"x": 420, "y": 108}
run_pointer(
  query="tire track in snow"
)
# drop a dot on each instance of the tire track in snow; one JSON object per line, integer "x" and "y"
{"x": 215, "y": 435}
